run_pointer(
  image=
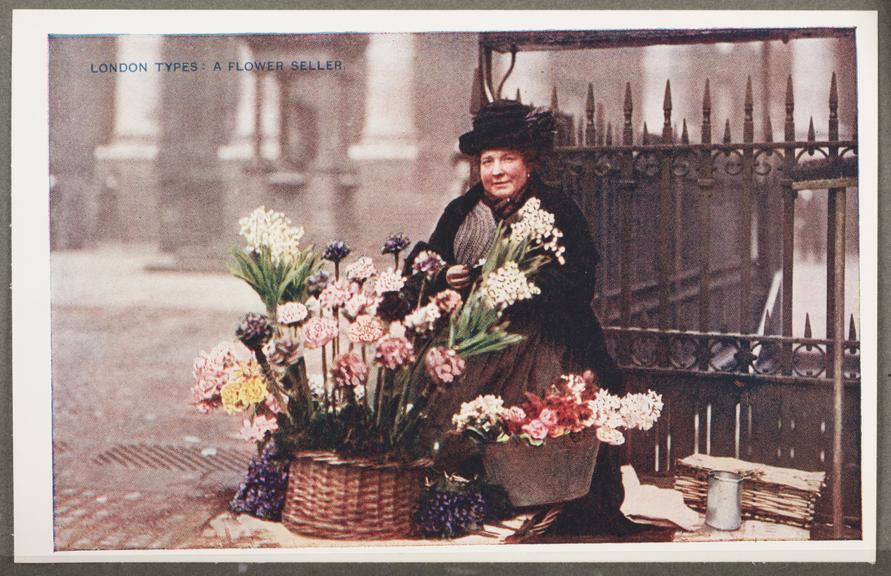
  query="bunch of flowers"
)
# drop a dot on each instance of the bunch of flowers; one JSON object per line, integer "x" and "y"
{"x": 450, "y": 508}
{"x": 537, "y": 226}
{"x": 506, "y": 286}
{"x": 353, "y": 362}
{"x": 272, "y": 262}
{"x": 262, "y": 493}
{"x": 272, "y": 231}
{"x": 572, "y": 404}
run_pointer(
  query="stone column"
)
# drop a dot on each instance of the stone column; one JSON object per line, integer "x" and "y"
{"x": 389, "y": 132}
{"x": 199, "y": 112}
{"x": 80, "y": 118}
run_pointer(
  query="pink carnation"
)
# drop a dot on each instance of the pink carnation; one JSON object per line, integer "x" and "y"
{"x": 349, "y": 370}
{"x": 210, "y": 372}
{"x": 444, "y": 365}
{"x": 394, "y": 351}
{"x": 319, "y": 331}
{"x": 335, "y": 295}
{"x": 447, "y": 301}
{"x": 365, "y": 330}
{"x": 536, "y": 430}
{"x": 361, "y": 270}
{"x": 389, "y": 281}
{"x": 292, "y": 313}
{"x": 255, "y": 431}
{"x": 359, "y": 304}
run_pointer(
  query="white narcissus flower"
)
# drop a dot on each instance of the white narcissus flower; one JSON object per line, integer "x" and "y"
{"x": 610, "y": 436}
{"x": 537, "y": 227}
{"x": 507, "y": 285}
{"x": 272, "y": 230}
{"x": 481, "y": 413}
{"x": 641, "y": 410}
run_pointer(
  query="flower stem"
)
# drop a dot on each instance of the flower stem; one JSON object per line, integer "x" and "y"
{"x": 325, "y": 377}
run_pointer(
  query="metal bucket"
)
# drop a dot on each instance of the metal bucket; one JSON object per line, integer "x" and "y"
{"x": 724, "y": 508}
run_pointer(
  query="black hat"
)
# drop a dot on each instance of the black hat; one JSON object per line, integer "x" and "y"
{"x": 508, "y": 124}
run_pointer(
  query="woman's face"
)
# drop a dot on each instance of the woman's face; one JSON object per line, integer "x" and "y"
{"x": 503, "y": 171}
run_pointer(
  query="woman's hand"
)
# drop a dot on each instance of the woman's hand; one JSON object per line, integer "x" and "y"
{"x": 458, "y": 276}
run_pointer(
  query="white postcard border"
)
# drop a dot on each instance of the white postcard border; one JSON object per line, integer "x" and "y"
{"x": 32, "y": 403}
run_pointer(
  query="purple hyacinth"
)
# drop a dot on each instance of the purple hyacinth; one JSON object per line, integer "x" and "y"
{"x": 395, "y": 243}
{"x": 317, "y": 282}
{"x": 336, "y": 251}
{"x": 254, "y": 330}
{"x": 262, "y": 493}
{"x": 449, "y": 511}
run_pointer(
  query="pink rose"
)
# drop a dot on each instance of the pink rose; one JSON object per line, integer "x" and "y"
{"x": 536, "y": 430}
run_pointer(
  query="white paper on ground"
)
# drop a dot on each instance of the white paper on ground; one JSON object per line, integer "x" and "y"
{"x": 653, "y": 503}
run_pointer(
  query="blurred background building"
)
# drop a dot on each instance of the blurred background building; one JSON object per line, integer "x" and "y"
{"x": 170, "y": 160}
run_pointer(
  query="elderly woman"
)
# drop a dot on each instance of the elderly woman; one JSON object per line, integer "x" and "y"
{"x": 561, "y": 332}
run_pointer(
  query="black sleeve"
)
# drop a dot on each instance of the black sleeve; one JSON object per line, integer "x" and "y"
{"x": 442, "y": 242}
{"x": 570, "y": 285}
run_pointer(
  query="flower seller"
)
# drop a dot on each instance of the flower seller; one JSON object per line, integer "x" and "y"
{"x": 561, "y": 332}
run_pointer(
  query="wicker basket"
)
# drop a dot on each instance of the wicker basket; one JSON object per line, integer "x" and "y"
{"x": 354, "y": 499}
{"x": 558, "y": 471}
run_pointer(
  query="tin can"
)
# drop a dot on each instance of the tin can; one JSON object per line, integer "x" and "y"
{"x": 724, "y": 507}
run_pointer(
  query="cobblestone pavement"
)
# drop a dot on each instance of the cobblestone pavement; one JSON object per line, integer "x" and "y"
{"x": 134, "y": 465}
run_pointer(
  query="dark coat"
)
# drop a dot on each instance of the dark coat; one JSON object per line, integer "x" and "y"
{"x": 563, "y": 312}
{"x": 563, "y": 309}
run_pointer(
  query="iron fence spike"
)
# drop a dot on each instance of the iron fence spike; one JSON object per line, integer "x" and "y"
{"x": 589, "y": 103}
{"x": 685, "y": 137}
{"x": 666, "y": 104}
{"x": 609, "y": 133}
{"x": 646, "y": 135}
{"x": 628, "y": 104}
{"x": 727, "y": 138}
{"x": 749, "y": 100}
{"x": 475, "y": 94}
{"x": 768, "y": 129}
{"x": 808, "y": 333}
{"x": 833, "y": 93}
{"x": 706, "y": 99}
{"x": 852, "y": 330}
{"x": 790, "y": 98}
{"x": 811, "y": 134}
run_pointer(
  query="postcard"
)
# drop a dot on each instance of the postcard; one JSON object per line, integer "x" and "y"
{"x": 427, "y": 286}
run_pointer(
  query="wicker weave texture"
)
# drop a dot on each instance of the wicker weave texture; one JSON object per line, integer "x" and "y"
{"x": 350, "y": 499}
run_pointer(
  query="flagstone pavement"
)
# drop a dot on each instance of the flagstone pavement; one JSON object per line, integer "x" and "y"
{"x": 134, "y": 465}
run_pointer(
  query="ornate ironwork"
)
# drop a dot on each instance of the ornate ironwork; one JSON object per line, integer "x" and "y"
{"x": 746, "y": 357}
